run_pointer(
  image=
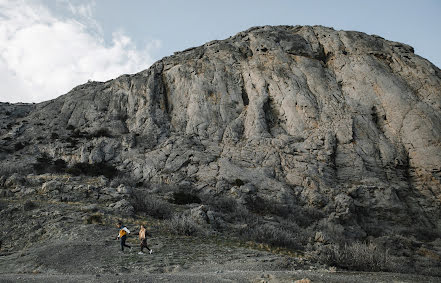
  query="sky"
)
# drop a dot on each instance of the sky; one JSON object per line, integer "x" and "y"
{"x": 47, "y": 47}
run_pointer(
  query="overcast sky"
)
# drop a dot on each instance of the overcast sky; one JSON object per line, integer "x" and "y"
{"x": 47, "y": 47}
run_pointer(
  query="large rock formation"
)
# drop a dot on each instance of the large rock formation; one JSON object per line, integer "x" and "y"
{"x": 340, "y": 121}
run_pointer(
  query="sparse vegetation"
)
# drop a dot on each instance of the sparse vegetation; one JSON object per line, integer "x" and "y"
{"x": 14, "y": 168}
{"x": 29, "y": 205}
{"x": 182, "y": 198}
{"x": 181, "y": 224}
{"x": 103, "y": 132}
{"x": 43, "y": 164}
{"x": 60, "y": 165}
{"x": 143, "y": 202}
{"x": 95, "y": 169}
{"x": 238, "y": 182}
{"x": 356, "y": 256}
{"x": 18, "y": 146}
{"x": 285, "y": 235}
{"x": 96, "y": 218}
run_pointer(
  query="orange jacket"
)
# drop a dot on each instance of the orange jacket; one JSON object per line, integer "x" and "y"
{"x": 123, "y": 232}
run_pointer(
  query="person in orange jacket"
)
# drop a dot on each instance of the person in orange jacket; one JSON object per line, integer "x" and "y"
{"x": 122, "y": 236}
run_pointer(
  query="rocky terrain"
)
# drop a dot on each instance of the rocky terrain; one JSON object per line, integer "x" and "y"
{"x": 280, "y": 148}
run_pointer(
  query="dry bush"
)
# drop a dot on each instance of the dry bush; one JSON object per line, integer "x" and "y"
{"x": 223, "y": 204}
{"x": 182, "y": 198}
{"x": 285, "y": 235}
{"x": 303, "y": 216}
{"x": 29, "y": 205}
{"x": 9, "y": 169}
{"x": 356, "y": 256}
{"x": 123, "y": 179}
{"x": 147, "y": 203}
{"x": 95, "y": 169}
{"x": 96, "y": 218}
{"x": 182, "y": 224}
{"x": 231, "y": 210}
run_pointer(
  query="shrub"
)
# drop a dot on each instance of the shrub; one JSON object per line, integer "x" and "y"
{"x": 223, "y": 204}
{"x": 356, "y": 256}
{"x": 96, "y": 218}
{"x": 95, "y": 169}
{"x": 54, "y": 136}
{"x": 232, "y": 211}
{"x": 60, "y": 165}
{"x": 184, "y": 198}
{"x": 238, "y": 183}
{"x": 43, "y": 164}
{"x": 29, "y": 205}
{"x": 285, "y": 236}
{"x": 125, "y": 180}
{"x": 77, "y": 134}
{"x": 18, "y": 146}
{"x": 181, "y": 224}
{"x": 9, "y": 169}
{"x": 149, "y": 204}
{"x": 303, "y": 216}
{"x": 103, "y": 132}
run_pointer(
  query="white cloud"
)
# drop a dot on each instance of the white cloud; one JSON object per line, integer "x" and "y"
{"x": 42, "y": 56}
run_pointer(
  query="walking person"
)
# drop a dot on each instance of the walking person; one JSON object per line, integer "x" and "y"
{"x": 143, "y": 239}
{"x": 122, "y": 235}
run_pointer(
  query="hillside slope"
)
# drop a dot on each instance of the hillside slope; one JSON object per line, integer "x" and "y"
{"x": 336, "y": 131}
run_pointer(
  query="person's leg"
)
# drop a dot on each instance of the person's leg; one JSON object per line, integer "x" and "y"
{"x": 142, "y": 245}
{"x": 145, "y": 245}
{"x": 123, "y": 243}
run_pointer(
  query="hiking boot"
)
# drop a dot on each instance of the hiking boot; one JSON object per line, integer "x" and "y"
{"x": 140, "y": 253}
{"x": 150, "y": 251}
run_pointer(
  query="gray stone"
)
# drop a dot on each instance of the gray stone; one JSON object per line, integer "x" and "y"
{"x": 339, "y": 121}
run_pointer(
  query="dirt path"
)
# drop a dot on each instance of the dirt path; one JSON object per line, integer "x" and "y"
{"x": 224, "y": 276}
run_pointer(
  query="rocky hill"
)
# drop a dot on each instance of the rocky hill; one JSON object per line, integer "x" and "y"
{"x": 336, "y": 133}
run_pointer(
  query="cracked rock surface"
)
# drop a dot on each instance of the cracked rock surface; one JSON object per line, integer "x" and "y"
{"x": 340, "y": 121}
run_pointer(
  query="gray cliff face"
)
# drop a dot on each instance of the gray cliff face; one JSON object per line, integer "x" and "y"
{"x": 341, "y": 121}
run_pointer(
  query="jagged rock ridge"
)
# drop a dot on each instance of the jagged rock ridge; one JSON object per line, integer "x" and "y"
{"x": 340, "y": 121}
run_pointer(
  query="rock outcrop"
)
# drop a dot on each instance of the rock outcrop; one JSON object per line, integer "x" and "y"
{"x": 339, "y": 121}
